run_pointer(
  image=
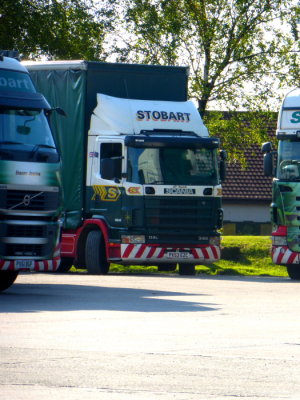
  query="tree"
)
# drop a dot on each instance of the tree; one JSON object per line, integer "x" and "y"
{"x": 55, "y": 29}
{"x": 240, "y": 53}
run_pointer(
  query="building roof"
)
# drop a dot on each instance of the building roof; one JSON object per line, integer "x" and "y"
{"x": 249, "y": 183}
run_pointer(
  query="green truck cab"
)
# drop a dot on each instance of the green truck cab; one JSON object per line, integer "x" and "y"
{"x": 284, "y": 166}
{"x": 30, "y": 184}
{"x": 141, "y": 176}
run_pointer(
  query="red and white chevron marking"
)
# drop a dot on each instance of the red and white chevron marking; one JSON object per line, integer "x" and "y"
{"x": 283, "y": 255}
{"x": 145, "y": 252}
{"x": 38, "y": 266}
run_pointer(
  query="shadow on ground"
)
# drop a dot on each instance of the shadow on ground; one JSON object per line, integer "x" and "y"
{"x": 71, "y": 297}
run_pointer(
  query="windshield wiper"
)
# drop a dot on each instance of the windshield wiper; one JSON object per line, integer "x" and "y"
{"x": 10, "y": 142}
{"x": 38, "y": 146}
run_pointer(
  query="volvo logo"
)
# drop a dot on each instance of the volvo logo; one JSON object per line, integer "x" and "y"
{"x": 26, "y": 200}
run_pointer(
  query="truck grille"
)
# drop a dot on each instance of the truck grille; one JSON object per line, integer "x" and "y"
{"x": 28, "y": 200}
{"x": 25, "y": 250}
{"x": 21, "y": 238}
{"x": 184, "y": 218}
{"x": 26, "y": 231}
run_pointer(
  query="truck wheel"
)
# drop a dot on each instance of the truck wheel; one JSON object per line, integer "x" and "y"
{"x": 7, "y": 278}
{"x": 95, "y": 257}
{"x": 293, "y": 271}
{"x": 65, "y": 264}
{"x": 186, "y": 269}
{"x": 166, "y": 267}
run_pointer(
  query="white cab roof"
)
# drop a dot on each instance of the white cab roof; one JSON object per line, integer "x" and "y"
{"x": 115, "y": 116}
{"x": 12, "y": 64}
{"x": 292, "y": 99}
{"x": 289, "y": 115}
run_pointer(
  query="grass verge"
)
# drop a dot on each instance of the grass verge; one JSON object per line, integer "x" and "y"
{"x": 252, "y": 258}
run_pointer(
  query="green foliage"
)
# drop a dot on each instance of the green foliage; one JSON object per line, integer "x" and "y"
{"x": 56, "y": 29}
{"x": 239, "y": 52}
{"x": 228, "y": 126}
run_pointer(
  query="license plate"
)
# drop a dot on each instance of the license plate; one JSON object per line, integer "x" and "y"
{"x": 24, "y": 264}
{"x": 179, "y": 255}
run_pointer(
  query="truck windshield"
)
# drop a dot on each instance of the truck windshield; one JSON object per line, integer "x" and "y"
{"x": 288, "y": 160}
{"x": 25, "y": 135}
{"x": 172, "y": 166}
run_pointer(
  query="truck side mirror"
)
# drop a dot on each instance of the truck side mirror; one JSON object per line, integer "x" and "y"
{"x": 222, "y": 170}
{"x": 60, "y": 111}
{"x": 266, "y": 147}
{"x": 223, "y": 157}
{"x": 268, "y": 164}
{"x": 110, "y": 168}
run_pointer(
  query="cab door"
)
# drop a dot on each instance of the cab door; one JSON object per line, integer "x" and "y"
{"x": 105, "y": 169}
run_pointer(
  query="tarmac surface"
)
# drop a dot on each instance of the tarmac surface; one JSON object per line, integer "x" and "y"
{"x": 149, "y": 337}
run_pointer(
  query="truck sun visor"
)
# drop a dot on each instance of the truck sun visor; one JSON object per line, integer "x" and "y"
{"x": 161, "y": 141}
{"x": 115, "y": 115}
{"x": 23, "y": 100}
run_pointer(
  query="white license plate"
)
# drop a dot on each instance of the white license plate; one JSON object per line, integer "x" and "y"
{"x": 179, "y": 255}
{"x": 27, "y": 264}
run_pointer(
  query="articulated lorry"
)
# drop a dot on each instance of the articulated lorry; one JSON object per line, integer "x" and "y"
{"x": 30, "y": 184}
{"x": 141, "y": 176}
{"x": 284, "y": 166}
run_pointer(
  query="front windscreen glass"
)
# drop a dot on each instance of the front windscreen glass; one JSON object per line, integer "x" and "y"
{"x": 25, "y": 135}
{"x": 288, "y": 160}
{"x": 172, "y": 166}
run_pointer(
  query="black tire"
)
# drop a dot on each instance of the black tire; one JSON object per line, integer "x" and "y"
{"x": 95, "y": 257}
{"x": 166, "y": 267}
{"x": 65, "y": 264}
{"x": 294, "y": 271}
{"x": 186, "y": 269}
{"x": 7, "y": 278}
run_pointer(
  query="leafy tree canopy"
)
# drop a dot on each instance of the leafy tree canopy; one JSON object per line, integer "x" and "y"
{"x": 55, "y": 29}
{"x": 240, "y": 54}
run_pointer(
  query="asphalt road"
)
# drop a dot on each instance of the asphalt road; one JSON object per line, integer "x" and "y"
{"x": 149, "y": 337}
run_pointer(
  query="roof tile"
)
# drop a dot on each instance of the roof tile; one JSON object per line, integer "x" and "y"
{"x": 248, "y": 183}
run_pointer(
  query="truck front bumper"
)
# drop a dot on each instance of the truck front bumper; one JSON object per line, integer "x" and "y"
{"x": 31, "y": 264}
{"x": 149, "y": 253}
{"x": 282, "y": 255}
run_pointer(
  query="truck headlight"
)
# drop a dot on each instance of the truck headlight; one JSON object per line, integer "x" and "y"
{"x": 279, "y": 241}
{"x": 133, "y": 239}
